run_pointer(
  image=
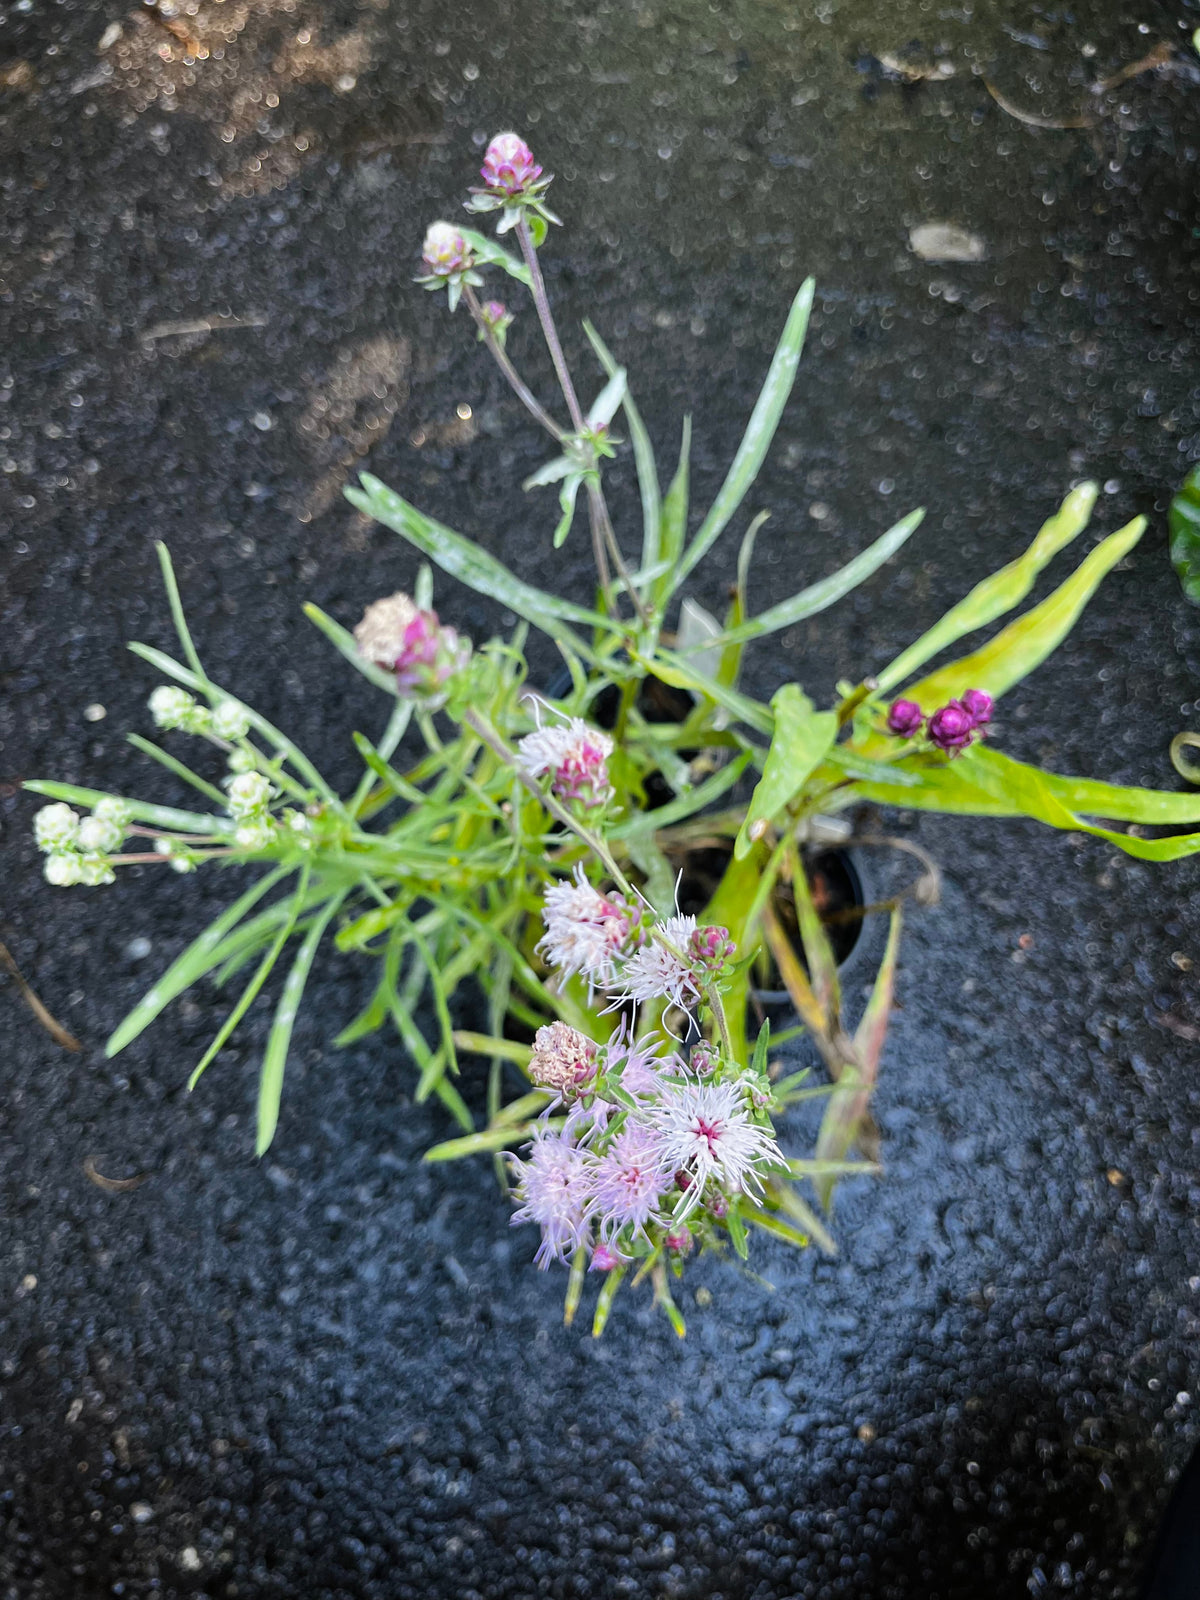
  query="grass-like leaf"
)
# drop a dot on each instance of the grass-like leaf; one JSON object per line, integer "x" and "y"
{"x": 760, "y": 430}
{"x": 801, "y": 739}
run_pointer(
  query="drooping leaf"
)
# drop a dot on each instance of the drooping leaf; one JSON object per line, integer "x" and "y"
{"x": 604, "y": 407}
{"x": 1183, "y": 524}
{"x": 818, "y": 951}
{"x": 473, "y": 566}
{"x": 819, "y": 596}
{"x": 760, "y": 430}
{"x": 551, "y": 472}
{"x": 801, "y": 738}
{"x": 567, "y": 497}
{"x": 1024, "y": 644}
{"x": 999, "y": 592}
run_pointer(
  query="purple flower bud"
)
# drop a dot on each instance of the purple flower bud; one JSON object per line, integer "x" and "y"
{"x": 905, "y": 719}
{"x": 681, "y": 1240}
{"x": 704, "y": 1058}
{"x": 952, "y": 728}
{"x": 508, "y": 164}
{"x": 428, "y": 657}
{"x": 710, "y": 947}
{"x": 495, "y": 311}
{"x": 445, "y": 251}
{"x": 604, "y": 1259}
{"x": 718, "y": 1206}
{"x": 978, "y": 706}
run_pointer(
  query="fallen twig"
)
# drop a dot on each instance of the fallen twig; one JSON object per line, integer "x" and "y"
{"x": 55, "y": 1029}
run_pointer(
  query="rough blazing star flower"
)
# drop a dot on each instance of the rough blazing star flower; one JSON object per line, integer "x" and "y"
{"x": 585, "y": 930}
{"x": 663, "y": 969}
{"x": 628, "y": 1179}
{"x": 554, "y": 1188}
{"x": 978, "y": 706}
{"x": 380, "y": 634}
{"x": 397, "y": 635}
{"x": 637, "y": 1065}
{"x": 951, "y": 728}
{"x": 508, "y": 165}
{"x": 905, "y": 719}
{"x": 563, "y": 1059}
{"x": 706, "y": 1133}
{"x": 576, "y": 758}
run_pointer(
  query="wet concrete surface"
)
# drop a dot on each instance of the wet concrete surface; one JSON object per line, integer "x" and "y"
{"x": 334, "y": 1374}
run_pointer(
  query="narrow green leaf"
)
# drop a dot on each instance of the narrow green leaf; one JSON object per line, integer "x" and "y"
{"x": 768, "y": 1222}
{"x": 270, "y": 1084}
{"x": 481, "y": 1143}
{"x": 550, "y": 472}
{"x": 674, "y": 524}
{"x": 176, "y": 605}
{"x": 608, "y": 1293}
{"x": 760, "y": 430}
{"x": 1001, "y": 591}
{"x": 801, "y": 739}
{"x": 491, "y": 254}
{"x": 604, "y": 407}
{"x": 185, "y": 773}
{"x": 342, "y": 641}
{"x": 1183, "y": 523}
{"x": 736, "y": 1230}
{"x": 567, "y": 497}
{"x": 819, "y": 596}
{"x": 782, "y": 1194}
{"x": 463, "y": 559}
{"x": 166, "y": 817}
{"x": 643, "y": 456}
{"x": 1024, "y": 644}
{"x": 761, "y": 1046}
{"x": 672, "y": 669}
{"x": 201, "y": 955}
{"x": 686, "y": 805}
{"x": 250, "y": 992}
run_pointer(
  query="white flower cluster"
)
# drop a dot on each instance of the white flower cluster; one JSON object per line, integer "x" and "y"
{"x": 172, "y": 707}
{"x": 249, "y": 796}
{"x": 77, "y": 848}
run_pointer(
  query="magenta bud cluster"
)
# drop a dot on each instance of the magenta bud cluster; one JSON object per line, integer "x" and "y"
{"x": 710, "y": 947}
{"x": 508, "y": 165}
{"x": 951, "y": 727}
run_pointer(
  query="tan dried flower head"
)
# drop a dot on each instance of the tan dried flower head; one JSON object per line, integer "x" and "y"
{"x": 563, "y": 1058}
{"x": 380, "y": 634}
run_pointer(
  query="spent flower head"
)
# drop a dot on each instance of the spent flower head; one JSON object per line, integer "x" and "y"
{"x": 563, "y": 1060}
{"x": 399, "y": 636}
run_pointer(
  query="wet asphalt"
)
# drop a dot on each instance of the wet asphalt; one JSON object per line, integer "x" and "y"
{"x": 334, "y": 1375}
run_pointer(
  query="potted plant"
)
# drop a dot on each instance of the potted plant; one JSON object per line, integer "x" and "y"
{"x": 528, "y": 849}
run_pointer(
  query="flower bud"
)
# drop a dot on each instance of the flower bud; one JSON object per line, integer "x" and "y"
{"x": 604, "y": 1259}
{"x": 445, "y": 251}
{"x": 978, "y": 706}
{"x": 241, "y": 761}
{"x": 112, "y": 809}
{"x": 56, "y": 827}
{"x": 95, "y": 870}
{"x": 172, "y": 707}
{"x": 248, "y": 794}
{"x": 508, "y": 165}
{"x": 255, "y": 834}
{"x": 62, "y": 868}
{"x": 905, "y": 719}
{"x": 711, "y": 947}
{"x": 230, "y": 722}
{"x": 951, "y": 728}
{"x": 99, "y": 836}
{"x": 563, "y": 1059}
{"x": 704, "y": 1058}
{"x": 681, "y": 1240}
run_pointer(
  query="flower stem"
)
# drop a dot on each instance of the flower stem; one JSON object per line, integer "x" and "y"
{"x": 518, "y": 385}
{"x": 718, "y": 1010}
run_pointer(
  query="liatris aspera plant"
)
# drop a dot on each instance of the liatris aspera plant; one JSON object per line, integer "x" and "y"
{"x": 515, "y": 856}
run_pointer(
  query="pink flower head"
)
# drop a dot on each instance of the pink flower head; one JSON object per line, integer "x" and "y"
{"x": 508, "y": 165}
{"x": 554, "y": 1190}
{"x": 952, "y": 728}
{"x": 706, "y": 1132}
{"x": 635, "y": 1064}
{"x": 429, "y": 656}
{"x": 628, "y": 1179}
{"x": 586, "y": 931}
{"x": 603, "y": 1258}
{"x": 576, "y": 758}
{"x": 978, "y": 706}
{"x": 905, "y": 719}
{"x": 563, "y": 1059}
{"x": 445, "y": 251}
